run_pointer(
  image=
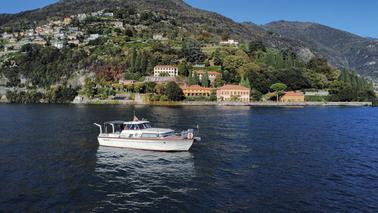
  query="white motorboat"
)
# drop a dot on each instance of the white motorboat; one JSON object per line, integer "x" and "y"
{"x": 138, "y": 134}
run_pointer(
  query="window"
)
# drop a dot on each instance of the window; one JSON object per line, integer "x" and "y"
{"x": 149, "y": 135}
{"x": 147, "y": 125}
{"x": 132, "y": 127}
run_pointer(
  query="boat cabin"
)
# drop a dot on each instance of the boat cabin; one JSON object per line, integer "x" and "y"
{"x": 136, "y": 125}
{"x": 135, "y": 129}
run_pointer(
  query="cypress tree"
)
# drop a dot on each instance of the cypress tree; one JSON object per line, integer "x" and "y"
{"x": 245, "y": 82}
{"x": 195, "y": 78}
{"x": 205, "y": 79}
{"x": 190, "y": 78}
{"x": 217, "y": 58}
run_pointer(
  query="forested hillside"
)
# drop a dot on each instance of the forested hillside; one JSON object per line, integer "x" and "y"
{"x": 343, "y": 49}
{"x": 304, "y": 39}
{"x": 108, "y": 41}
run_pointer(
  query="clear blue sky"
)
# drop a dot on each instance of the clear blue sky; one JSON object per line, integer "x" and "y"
{"x": 359, "y": 17}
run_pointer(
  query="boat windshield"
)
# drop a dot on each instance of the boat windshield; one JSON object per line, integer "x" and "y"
{"x": 137, "y": 126}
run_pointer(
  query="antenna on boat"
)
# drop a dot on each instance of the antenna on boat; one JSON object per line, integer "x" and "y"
{"x": 198, "y": 129}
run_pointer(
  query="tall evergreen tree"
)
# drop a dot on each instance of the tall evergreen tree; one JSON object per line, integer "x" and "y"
{"x": 190, "y": 78}
{"x": 195, "y": 78}
{"x": 245, "y": 82}
{"x": 217, "y": 58}
{"x": 205, "y": 79}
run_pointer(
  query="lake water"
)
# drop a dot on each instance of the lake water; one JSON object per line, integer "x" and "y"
{"x": 317, "y": 159}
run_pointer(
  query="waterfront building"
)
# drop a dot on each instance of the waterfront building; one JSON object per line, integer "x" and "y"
{"x": 233, "y": 93}
{"x": 165, "y": 70}
{"x": 196, "y": 91}
{"x": 293, "y": 96}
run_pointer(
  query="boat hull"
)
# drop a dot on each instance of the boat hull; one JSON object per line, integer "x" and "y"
{"x": 168, "y": 145}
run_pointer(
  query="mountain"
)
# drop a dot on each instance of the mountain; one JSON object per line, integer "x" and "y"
{"x": 342, "y": 49}
{"x": 192, "y": 20}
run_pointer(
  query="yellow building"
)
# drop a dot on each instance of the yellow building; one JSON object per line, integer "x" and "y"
{"x": 233, "y": 93}
{"x": 293, "y": 97}
{"x": 195, "y": 91}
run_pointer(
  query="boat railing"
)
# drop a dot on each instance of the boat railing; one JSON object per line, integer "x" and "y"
{"x": 99, "y": 127}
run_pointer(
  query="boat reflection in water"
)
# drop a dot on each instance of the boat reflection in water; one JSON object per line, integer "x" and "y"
{"x": 134, "y": 179}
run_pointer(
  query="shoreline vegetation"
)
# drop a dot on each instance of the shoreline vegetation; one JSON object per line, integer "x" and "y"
{"x": 115, "y": 60}
{"x": 215, "y": 103}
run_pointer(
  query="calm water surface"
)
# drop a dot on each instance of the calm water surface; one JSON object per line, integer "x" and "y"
{"x": 249, "y": 159}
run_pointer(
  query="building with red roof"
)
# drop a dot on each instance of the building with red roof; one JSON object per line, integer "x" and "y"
{"x": 292, "y": 96}
{"x": 212, "y": 75}
{"x": 196, "y": 91}
{"x": 233, "y": 93}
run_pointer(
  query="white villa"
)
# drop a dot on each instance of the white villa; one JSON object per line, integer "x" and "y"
{"x": 167, "y": 70}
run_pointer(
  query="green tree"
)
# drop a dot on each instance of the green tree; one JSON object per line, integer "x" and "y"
{"x": 320, "y": 65}
{"x": 89, "y": 88}
{"x": 255, "y": 46}
{"x": 217, "y": 59}
{"x": 174, "y": 92}
{"x": 278, "y": 88}
{"x": 139, "y": 87}
{"x": 191, "y": 50}
{"x": 195, "y": 78}
{"x": 205, "y": 79}
{"x": 213, "y": 95}
{"x": 61, "y": 94}
{"x": 149, "y": 87}
{"x": 159, "y": 89}
{"x": 293, "y": 77}
{"x": 245, "y": 82}
{"x": 218, "y": 82}
{"x": 190, "y": 78}
{"x": 183, "y": 68}
{"x": 232, "y": 63}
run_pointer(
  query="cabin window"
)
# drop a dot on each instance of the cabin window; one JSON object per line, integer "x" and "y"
{"x": 149, "y": 135}
{"x": 132, "y": 127}
{"x": 167, "y": 134}
{"x": 141, "y": 126}
{"x": 146, "y": 125}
